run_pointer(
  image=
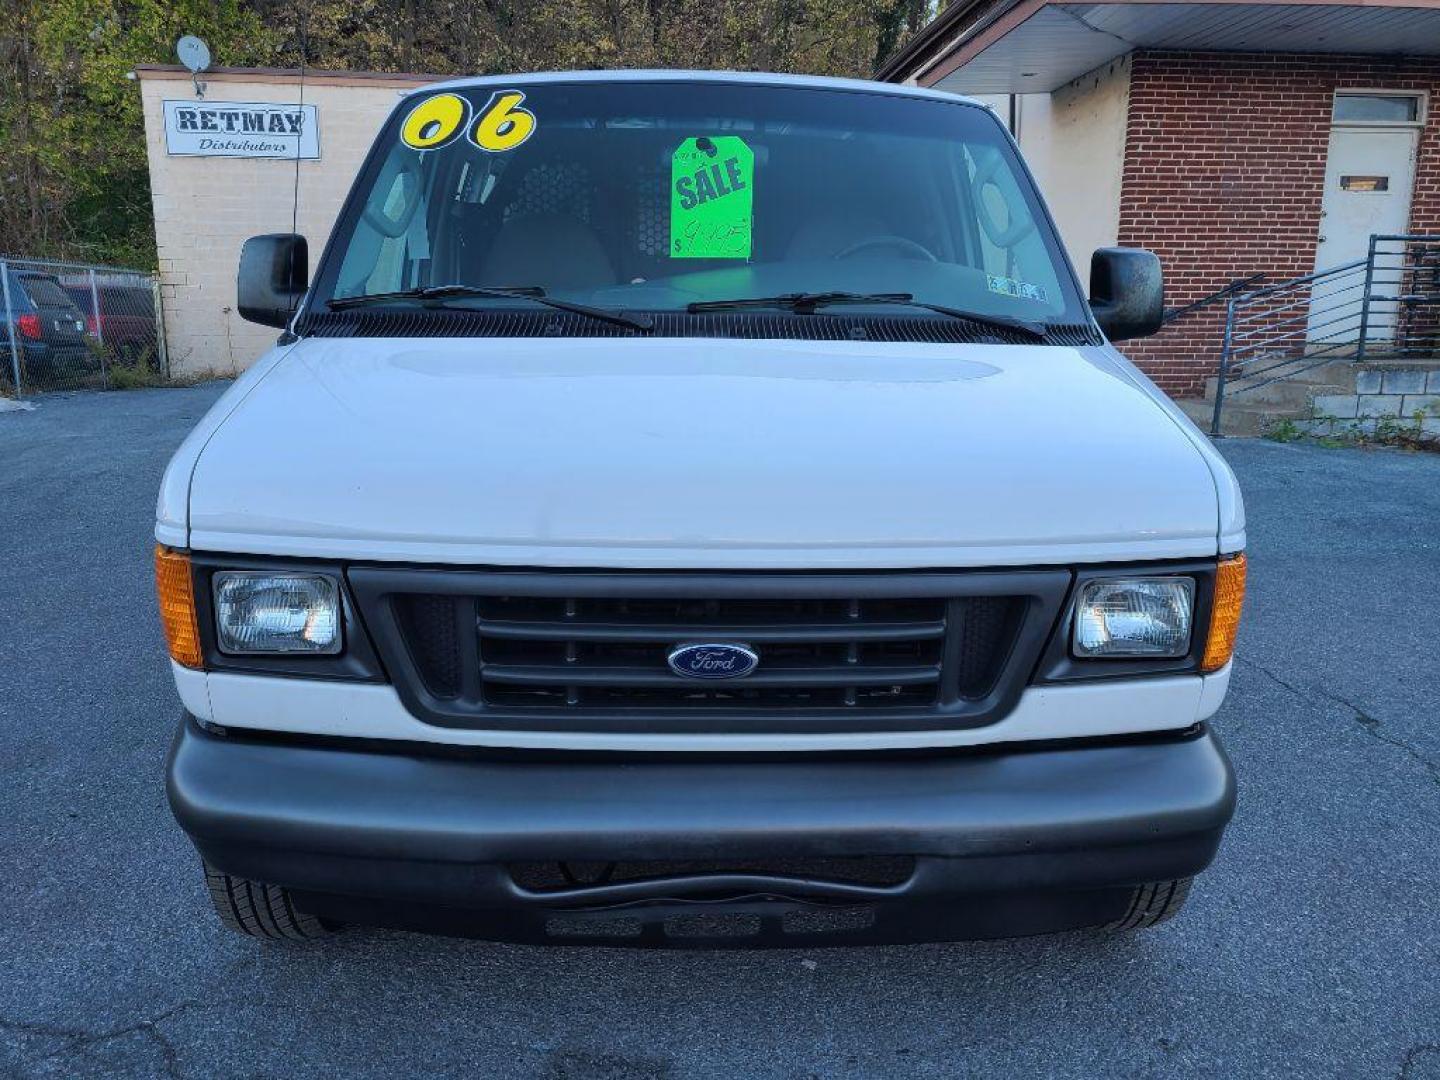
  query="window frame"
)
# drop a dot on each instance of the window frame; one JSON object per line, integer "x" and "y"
{"x": 1420, "y": 97}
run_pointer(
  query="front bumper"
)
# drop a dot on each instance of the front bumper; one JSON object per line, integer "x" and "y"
{"x": 1005, "y": 842}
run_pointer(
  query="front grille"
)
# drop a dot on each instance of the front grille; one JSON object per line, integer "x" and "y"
{"x": 604, "y": 653}
{"x": 431, "y": 626}
{"x": 589, "y": 652}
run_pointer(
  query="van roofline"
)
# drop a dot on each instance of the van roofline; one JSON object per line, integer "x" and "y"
{"x": 752, "y": 78}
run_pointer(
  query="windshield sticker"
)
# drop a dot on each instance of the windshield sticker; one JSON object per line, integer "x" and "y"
{"x": 503, "y": 124}
{"x": 434, "y": 122}
{"x": 712, "y": 193}
{"x": 1020, "y": 290}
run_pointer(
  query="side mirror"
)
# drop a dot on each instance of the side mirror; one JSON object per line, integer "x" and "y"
{"x": 274, "y": 274}
{"x": 1127, "y": 292}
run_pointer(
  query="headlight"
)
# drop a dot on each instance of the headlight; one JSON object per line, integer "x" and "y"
{"x": 277, "y": 613}
{"x": 1126, "y": 617}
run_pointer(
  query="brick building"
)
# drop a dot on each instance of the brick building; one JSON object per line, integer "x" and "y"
{"x": 1232, "y": 138}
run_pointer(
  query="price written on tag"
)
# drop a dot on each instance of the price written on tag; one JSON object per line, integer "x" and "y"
{"x": 712, "y": 192}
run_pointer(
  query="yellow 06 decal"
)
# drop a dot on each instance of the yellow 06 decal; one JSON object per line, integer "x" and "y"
{"x": 435, "y": 121}
{"x": 503, "y": 124}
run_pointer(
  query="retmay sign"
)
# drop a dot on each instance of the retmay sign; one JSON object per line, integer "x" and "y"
{"x": 241, "y": 129}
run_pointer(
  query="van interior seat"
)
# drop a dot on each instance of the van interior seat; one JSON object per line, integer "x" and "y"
{"x": 553, "y": 250}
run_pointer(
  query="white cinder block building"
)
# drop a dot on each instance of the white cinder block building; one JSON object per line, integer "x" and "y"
{"x": 223, "y": 168}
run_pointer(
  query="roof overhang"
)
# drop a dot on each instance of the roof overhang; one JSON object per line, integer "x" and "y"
{"x": 1035, "y": 46}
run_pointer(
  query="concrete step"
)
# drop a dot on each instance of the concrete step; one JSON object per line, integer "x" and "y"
{"x": 1295, "y": 395}
{"x": 1300, "y": 368}
{"x": 1289, "y": 390}
{"x": 1341, "y": 374}
{"x": 1382, "y": 362}
{"x": 1236, "y": 419}
{"x": 1336, "y": 378}
{"x": 1335, "y": 372}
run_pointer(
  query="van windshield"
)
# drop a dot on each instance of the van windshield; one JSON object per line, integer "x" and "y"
{"x": 658, "y": 196}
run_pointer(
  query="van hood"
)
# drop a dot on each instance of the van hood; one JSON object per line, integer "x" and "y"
{"x": 699, "y": 454}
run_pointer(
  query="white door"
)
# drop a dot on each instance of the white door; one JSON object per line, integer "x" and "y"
{"x": 1369, "y": 177}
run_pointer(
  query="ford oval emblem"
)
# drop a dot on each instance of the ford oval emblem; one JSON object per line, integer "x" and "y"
{"x": 713, "y": 661}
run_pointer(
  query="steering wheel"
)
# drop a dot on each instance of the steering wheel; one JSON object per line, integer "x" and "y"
{"x": 899, "y": 243}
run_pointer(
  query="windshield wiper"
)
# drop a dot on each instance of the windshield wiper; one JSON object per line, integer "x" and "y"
{"x": 806, "y": 303}
{"x": 517, "y": 292}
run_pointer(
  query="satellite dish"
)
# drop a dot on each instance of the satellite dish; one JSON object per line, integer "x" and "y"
{"x": 193, "y": 53}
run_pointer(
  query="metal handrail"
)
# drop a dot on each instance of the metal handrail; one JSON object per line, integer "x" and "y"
{"x": 1295, "y": 283}
{"x": 1291, "y": 327}
{"x": 1222, "y": 293}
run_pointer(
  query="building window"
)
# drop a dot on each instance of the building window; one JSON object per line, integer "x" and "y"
{"x": 1370, "y": 108}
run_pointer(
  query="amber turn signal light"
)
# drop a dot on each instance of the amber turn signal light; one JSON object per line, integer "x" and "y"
{"x": 1225, "y": 612}
{"x": 176, "y": 589}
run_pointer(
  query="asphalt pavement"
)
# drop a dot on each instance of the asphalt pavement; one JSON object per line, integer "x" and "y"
{"x": 1312, "y": 947}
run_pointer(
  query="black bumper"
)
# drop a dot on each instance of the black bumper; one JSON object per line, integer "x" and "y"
{"x": 1004, "y": 842}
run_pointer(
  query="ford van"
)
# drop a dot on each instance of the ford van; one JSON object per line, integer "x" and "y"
{"x": 694, "y": 508}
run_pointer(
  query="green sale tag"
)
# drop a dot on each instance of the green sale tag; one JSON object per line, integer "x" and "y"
{"x": 711, "y": 195}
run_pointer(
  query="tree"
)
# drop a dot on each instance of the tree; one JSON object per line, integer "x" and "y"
{"x": 72, "y": 152}
{"x": 71, "y": 133}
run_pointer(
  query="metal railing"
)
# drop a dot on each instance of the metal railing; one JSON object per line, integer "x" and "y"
{"x": 1222, "y": 293}
{"x": 1384, "y": 306}
{"x": 77, "y": 326}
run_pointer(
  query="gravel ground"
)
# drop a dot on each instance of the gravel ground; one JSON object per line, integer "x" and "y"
{"x": 1311, "y": 948}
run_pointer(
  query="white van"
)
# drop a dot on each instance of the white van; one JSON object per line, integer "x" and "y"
{"x": 695, "y": 507}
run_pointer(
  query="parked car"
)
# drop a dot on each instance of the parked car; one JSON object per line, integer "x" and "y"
{"x": 48, "y": 329}
{"x": 697, "y": 508}
{"x": 126, "y": 323}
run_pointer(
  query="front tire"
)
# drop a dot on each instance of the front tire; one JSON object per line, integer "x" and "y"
{"x": 260, "y": 910}
{"x": 1153, "y": 904}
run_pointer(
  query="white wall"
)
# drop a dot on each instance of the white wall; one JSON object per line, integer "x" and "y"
{"x": 205, "y": 207}
{"x": 1074, "y": 142}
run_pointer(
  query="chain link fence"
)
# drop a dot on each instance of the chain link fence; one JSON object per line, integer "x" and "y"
{"x": 73, "y": 326}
